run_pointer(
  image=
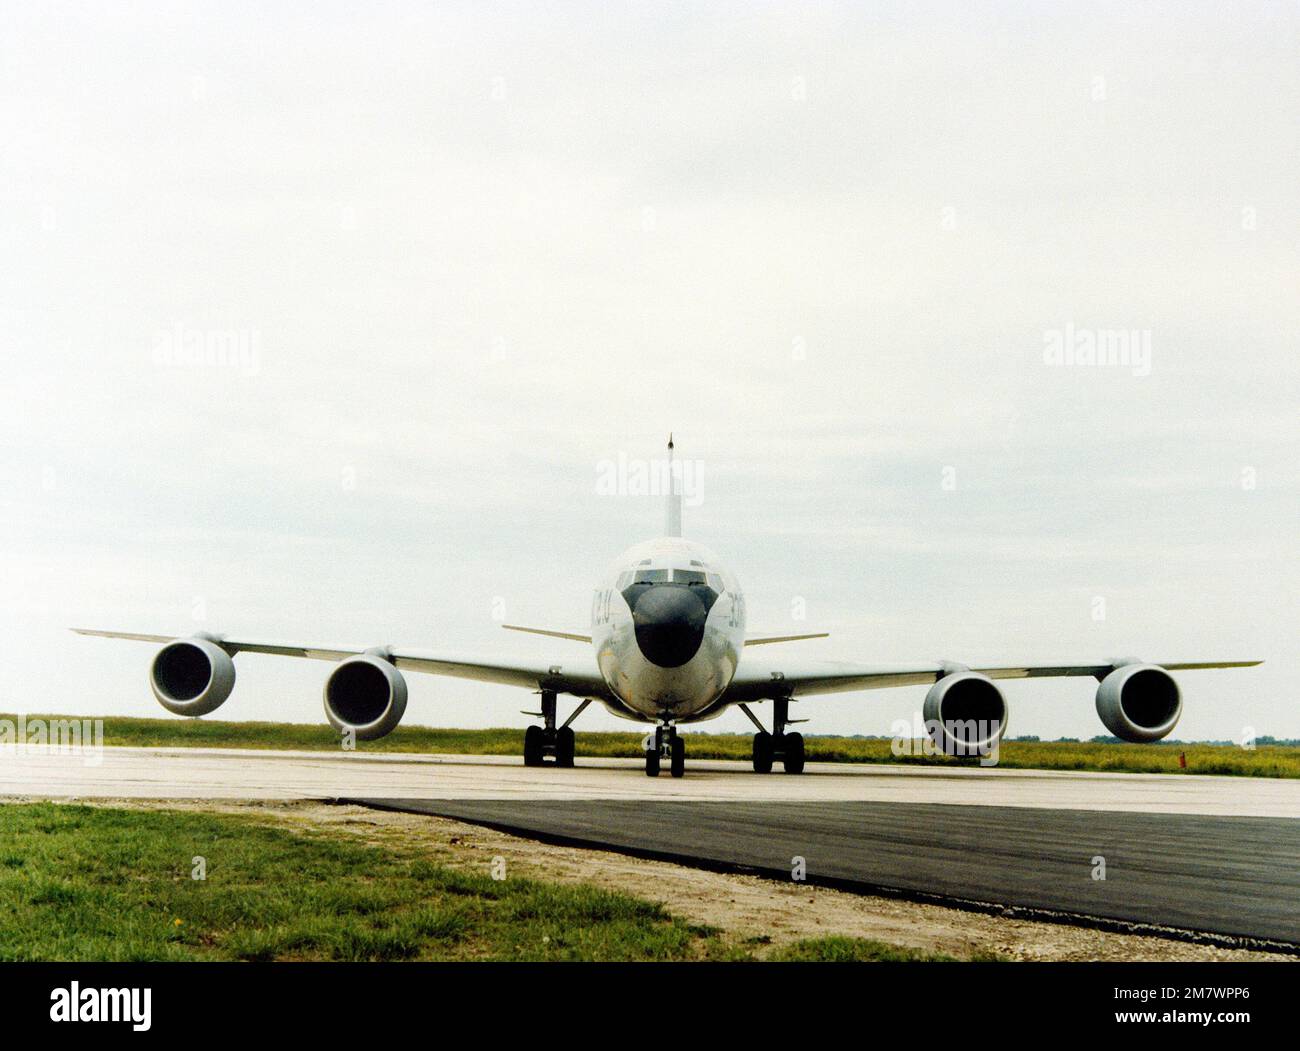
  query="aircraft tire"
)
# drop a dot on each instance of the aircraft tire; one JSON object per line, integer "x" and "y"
{"x": 533, "y": 746}
{"x": 793, "y": 758}
{"x": 564, "y": 746}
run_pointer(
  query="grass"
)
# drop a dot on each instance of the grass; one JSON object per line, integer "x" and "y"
{"x": 81, "y": 883}
{"x": 1263, "y": 761}
{"x": 85, "y": 883}
{"x": 839, "y": 949}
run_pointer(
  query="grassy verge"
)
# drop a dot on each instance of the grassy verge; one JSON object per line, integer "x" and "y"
{"x": 81, "y": 883}
{"x": 838, "y": 949}
{"x": 1263, "y": 761}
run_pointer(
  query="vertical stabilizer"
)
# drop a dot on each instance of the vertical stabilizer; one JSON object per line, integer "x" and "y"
{"x": 673, "y": 509}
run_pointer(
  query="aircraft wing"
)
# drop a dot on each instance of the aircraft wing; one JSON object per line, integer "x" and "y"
{"x": 577, "y": 675}
{"x": 760, "y": 678}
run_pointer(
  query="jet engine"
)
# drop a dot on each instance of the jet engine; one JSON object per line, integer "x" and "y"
{"x": 1139, "y": 702}
{"x": 965, "y": 713}
{"x": 367, "y": 695}
{"x": 192, "y": 676}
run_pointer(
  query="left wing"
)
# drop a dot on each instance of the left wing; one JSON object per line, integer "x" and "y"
{"x": 760, "y": 678}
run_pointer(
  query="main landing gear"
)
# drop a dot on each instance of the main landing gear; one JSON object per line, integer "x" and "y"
{"x": 768, "y": 747}
{"x": 552, "y": 740}
{"x": 667, "y": 744}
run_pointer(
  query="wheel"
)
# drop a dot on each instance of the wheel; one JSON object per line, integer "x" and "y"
{"x": 762, "y": 753}
{"x": 533, "y": 738}
{"x": 678, "y": 762}
{"x": 651, "y": 762}
{"x": 793, "y": 759}
{"x": 564, "y": 745}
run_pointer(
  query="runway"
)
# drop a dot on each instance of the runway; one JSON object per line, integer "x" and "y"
{"x": 1237, "y": 877}
{"x": 1219, "y": 855}
{"x": 232, "y": 773}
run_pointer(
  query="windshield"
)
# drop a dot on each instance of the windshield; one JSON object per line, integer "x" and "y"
{"x": 651, "y": 576}
{"x": 675, "y": 576}
{"x": 688, "y": 576}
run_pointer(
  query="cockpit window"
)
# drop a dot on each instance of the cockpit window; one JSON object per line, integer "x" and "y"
{"x": 651, "y": 576}
{"x": 675, "y": 576}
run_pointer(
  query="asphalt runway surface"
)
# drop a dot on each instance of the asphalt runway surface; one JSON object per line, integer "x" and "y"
{"x": 1219, "y": 855}
{"x": 1232, "y": 876}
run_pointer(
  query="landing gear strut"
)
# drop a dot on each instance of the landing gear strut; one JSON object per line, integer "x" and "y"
{"x": 768, "y": 747}
{"x": 552, "y": 740}
{"x": 667, "y": 744}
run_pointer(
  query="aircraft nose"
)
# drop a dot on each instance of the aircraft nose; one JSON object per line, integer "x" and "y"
{"x": 669, "y": 624}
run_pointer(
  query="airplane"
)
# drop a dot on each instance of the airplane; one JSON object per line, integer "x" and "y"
{"x": 669, "y": 647}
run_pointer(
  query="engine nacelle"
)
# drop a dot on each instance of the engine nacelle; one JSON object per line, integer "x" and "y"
{"x": 192, "y": 676}
{"x": 367, "y": 695}
{"x": 965, "y": 714}
{"x": 1139, "y": 702}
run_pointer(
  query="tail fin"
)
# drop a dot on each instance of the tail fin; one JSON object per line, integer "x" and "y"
{"x": 673, "y": 509}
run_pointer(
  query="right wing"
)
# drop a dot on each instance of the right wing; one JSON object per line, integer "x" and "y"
{"x": 577, "y": 675}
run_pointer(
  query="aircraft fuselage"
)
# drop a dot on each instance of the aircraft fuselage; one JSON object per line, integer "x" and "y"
{"x": 668, "y": 625}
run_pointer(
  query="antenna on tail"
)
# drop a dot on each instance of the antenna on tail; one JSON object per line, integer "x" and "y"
{"x": 673, "y": 509}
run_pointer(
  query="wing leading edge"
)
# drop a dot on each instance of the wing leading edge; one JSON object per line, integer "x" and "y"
{"x": 575, "y": 675}
{"x": 759, "y": 678}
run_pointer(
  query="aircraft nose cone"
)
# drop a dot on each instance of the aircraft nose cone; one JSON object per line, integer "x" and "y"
{"x": 669, "y": 624}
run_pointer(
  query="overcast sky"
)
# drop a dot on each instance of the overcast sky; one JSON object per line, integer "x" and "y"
{"x": 318, "y": 322}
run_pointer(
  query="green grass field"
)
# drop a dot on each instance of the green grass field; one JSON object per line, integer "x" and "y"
{"x": 1263, "y": 761}
{"x": 81, "y": 883}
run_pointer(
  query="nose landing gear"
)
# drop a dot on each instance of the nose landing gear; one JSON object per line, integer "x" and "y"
{"x": 552, "y": 740}
{"x": 665, "y": 744}
{"x": 768, "y": 747}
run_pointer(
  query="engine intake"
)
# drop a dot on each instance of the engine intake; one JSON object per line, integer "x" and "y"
{"x": 1139, "y": 702}
{"x": 965, "y": 714}
{"x": 192, "y": 676}
{"x": 367, "y": 695}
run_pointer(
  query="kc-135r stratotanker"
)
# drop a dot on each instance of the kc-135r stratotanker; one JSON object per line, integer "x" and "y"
{"x": 669, "y": 647}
